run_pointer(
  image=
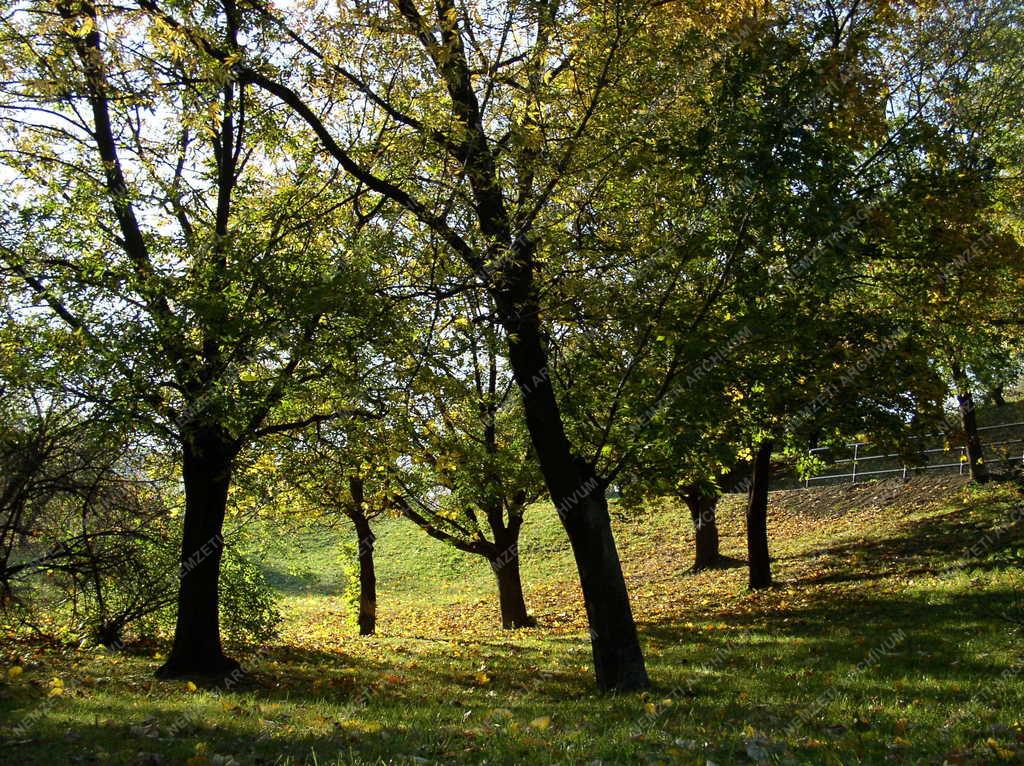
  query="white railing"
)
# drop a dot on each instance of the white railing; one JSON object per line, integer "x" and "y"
{"x": 961, "y": 464}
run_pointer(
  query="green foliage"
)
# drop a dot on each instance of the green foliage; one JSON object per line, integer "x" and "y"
{"x": 250, "y": 612}
{"x": 347, "y": 555}
{"x": 306, "y": 244}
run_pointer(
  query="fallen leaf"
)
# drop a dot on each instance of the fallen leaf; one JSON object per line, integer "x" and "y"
{"x": 541, "y": 722}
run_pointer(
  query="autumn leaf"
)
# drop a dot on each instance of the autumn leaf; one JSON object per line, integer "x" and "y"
{"x": 541, "y": 722}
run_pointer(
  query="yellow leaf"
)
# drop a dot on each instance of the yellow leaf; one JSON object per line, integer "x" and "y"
{"x": 15, "y": 671}
{"x": 651, "y": 708}
{"x": 541, "y": 722}
{"x": 191, "y": 686}
{"x": 482, "y": 678}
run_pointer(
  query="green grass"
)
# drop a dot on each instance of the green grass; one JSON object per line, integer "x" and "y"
{"x": 895, "y": 636}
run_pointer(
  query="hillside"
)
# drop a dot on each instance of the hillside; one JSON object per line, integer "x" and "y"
{"x": 893, "y": 636}
{"x": 426, "y": 585}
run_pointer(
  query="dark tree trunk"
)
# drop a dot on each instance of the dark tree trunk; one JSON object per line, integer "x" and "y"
{"x": 505, "y": 565}
{"x": 510, "y": 593}
{"x": 757, "y": 518}
{"x": 702, "y": 512}
{"x": 997, "y": 397}
{"x": 367, "y": 574}
{"x": 576, "y": 492}
{"x": 969, "y": 422}
{"x": 975, "y": 454}
{"x": 618, "y": 660}
{"x": 206, "y": 471}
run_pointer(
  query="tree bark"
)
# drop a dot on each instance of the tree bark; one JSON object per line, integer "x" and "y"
{"x": 702, "y": 512}
{"x": 208, "y": 458}
{"x": 578, "y": 495}
{"x": 510, "y": 593}
{"x": 757, "y": 518}
{"x": 969, "y": 422}
{"x": 618, "y": 659}
{"x": 505, "y": 565}
{"x": 367, "y": 574}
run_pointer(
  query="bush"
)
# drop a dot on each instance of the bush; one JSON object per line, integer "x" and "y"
{"x": 248, "y": 607}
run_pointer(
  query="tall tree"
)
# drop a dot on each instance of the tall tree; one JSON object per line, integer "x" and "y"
{"x": 503, "y": 100}
{"x": 203, "y": 281}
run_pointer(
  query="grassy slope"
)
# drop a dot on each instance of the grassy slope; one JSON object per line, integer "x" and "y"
{"x": 888, "y": 640}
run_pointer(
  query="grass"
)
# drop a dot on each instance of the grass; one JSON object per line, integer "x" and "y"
{"x": 894, "y": 636}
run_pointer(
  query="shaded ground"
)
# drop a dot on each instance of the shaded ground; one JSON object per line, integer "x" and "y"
{"x": 894, "y": 636}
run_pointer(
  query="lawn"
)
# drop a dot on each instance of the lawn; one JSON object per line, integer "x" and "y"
{"x": 894, "y": 636}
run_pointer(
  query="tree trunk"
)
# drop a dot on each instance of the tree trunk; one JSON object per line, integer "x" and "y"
{"x": 702, "y": 512}
{"x": 997, "y": 395}
{"x": 757, "y": 518}
{"x": 618, "y": 660}
{"x": 367, "y": 574}
{"x": 206, "y": 472}
{"x": 505, "y": 565}
{"x": 968, "y": 419}
{"x": 510, "y": 593}
{"x": 576, "y": 492}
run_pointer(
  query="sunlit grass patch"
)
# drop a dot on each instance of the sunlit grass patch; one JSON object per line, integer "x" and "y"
{"x": 886, "y": 641}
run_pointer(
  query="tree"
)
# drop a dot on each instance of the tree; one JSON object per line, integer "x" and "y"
{"x": 330, "y": 480}
{"x": 318, "y": 475}
{"x": 952, "y": 261}
{"x": 200, "y": 280}
{"x": 774, "y": 156}
{"x": 471, "y": 475}
{"x": 503, "y": 102}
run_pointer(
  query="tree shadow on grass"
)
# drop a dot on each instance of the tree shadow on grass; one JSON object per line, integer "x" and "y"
{"x": 804, "y": 668}
{"x": 168, "y": 736}
{"x": 939, "y": 544}
{"x": 304, "y": 584}
{"x": 723, "y": 562}
{"x": 292, "y": 673}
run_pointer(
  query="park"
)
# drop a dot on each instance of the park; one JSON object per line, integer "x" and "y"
{"x": 511, "y": 382}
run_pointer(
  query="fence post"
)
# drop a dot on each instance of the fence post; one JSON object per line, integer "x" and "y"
{"x": 853, "y": 480}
